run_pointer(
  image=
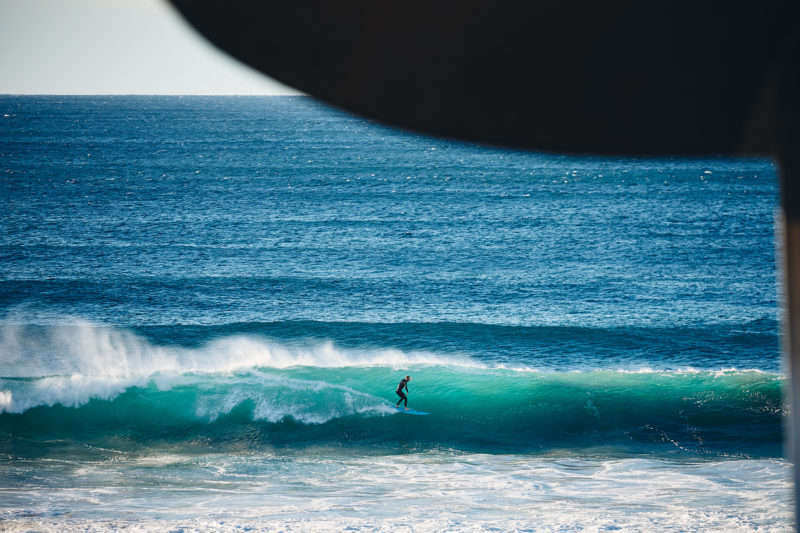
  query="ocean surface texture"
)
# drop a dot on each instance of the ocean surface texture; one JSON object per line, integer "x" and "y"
{"x": 207, "y": 303}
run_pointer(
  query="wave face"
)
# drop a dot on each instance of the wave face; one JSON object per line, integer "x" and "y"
{"x": 110, "y": 386}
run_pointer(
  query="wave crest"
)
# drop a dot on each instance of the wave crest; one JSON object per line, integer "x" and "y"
{"x": 75, "y": 362}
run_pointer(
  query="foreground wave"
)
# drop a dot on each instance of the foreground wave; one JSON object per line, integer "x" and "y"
{"x": 108, "y": 386}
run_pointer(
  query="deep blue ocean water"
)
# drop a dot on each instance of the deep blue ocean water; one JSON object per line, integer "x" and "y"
{"x": 209, "y": 301}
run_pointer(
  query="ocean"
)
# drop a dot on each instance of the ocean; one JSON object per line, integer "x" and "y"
{"x": 207, "y": 303}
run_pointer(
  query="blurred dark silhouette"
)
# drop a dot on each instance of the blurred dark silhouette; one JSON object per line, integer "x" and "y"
{"x": 620, "y": 77}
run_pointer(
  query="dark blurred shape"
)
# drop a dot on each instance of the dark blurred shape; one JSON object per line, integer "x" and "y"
{"x": 577, "y": 76}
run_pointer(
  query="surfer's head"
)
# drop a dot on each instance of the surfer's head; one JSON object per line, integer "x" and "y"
{"x": 408, "y": 378}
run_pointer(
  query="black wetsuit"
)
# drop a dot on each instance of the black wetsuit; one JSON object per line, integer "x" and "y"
{"x": 403, "y": 397}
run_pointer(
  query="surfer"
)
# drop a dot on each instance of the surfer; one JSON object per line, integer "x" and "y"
{"x": 403, "y": 397}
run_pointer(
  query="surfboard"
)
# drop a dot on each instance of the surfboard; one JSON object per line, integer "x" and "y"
{"x": 410, "y": 411}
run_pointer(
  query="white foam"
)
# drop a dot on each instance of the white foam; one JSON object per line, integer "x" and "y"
{"x": 413, "y": 492}
{"x": 275, "y": 398}
{"x": 5, "y": 400}
{"x": 87, "y": 349}
{"x": 76, "y": 361}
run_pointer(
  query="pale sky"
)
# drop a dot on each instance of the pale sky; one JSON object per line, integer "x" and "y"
{"x": 114, "y": 47}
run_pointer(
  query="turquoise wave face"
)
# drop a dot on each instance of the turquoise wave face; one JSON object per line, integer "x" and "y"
{"x": 473, "y": 408}
{"x": 100, "y": 386}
